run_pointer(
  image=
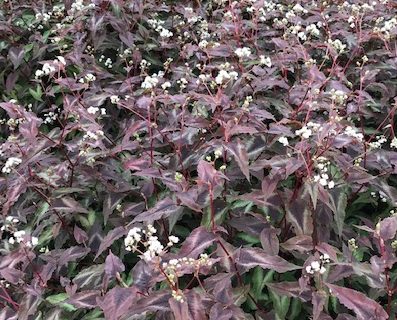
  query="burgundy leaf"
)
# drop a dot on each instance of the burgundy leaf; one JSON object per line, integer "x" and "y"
{"x": 318, "y": 301}
{"x": 249, "y": 258}
{"x": 16, "y": 55}
{"x": 269, "y": 241}
{"x": 80, "y": 235}
{"x": 180, "y": 310}
{"x": 290, "y": 289}
{"x": 388, "y": 228}
{"x": 117, "y": 302}
{"x": 162, "y": 209}
{"x": 207, "y": 173}
{"x": 72, "y": 254}
{"x": 112, "y": 236}
{"x": 301, "y": 243}
{"x": 69, "y": 205}
{"x": 85, "y": 299}
{"x": 239, "y": 152}
{"x": 197, "y": 241}
{"x": 110, "y": 203}
{"x": 364, "y": 307}
{"x": 113, "y": 265}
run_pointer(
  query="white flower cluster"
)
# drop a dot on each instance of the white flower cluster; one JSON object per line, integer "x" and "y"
{"x": 158, "y": 26}
{"x": 172, "y": 267}
{"x": 45, "y": 17}
{"x": 20, "y": 236}
{"x": 203, "y": 78}
{"x": 166, "y": 85}
{"x": 387, "y": 27}
{"x": 45, "y": 70}
{"x": 352, "y": 244}
{"x": 95, "y": 110}
{"x": 322, "y": 176}
{"x": 147, "y": 238}
{"x": 89, "y": 77}
{"x": 307, "y": 130}
{"x": 382, "y": 195}
{"x": 89, "y": 135}
{"x": 337, "y": 45}
{"x": 393, "y": 143}
{"x": 126, "y": 53}
{"x": 78, "y": 6}
{"x": 151, "y": 82}
{"x": 338, "y": 96}
{"x": 14, "y": 123}
{"x": 182, "y": 82}
{"x": 283, "y": 141}
{"x": 178, "y": 295}
{"x": 313, "y": 30}
{"x": 243, "y": 52}
{"x": 377, "y": 144}
{"x": 318, "y": 266}
{"x": 226, "y": 74}
{"x": 50, "y": 117}
{"x": 114, "y": 99}
{"x": 246, "y": 103}
{"x": 108, "y": 62}
{"x": 10, "y": 164}
{"x": 266, "y": 61}
{"x": 352, "y": 132}
{"x": 9, "y": 224}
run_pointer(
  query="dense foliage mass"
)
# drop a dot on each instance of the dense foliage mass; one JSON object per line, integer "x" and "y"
{"x": 209, "y": 159}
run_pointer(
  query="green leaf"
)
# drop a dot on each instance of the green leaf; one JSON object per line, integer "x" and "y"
{"x": 219, "y": 217}
{"x": 36, "y": 94}
{"x": 296, "y": 309}
{"x": 280, "y": 305}
{"x": 95, "y": 314}
{"x": 57, "y": 298}
{"x": 338, "y": 203}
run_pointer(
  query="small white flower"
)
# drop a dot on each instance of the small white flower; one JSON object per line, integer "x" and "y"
{"x": 34, "y": 241}
{"x": 283, "y": 141}
{"x": 61, "y": 60}
{"x": 114, "y": 99}
{"x": 11, "y": 163}
{"x": 393, "y": 143}
{"x": 166, "y": 85}
{"x": 243, "y": 52}
{"x": 315, "y": 265}
{"x": 265, "y": 61}
{"x": 92, "y": 110}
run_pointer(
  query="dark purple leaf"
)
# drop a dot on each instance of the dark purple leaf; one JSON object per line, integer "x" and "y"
{"x": 388, "y": 228}
{"x": 364, "y": 307}
{"x": 197, "y": 241}
{"x": 318, "y": 301}
{"x": 117, "y": 302}
{"x": 85, "y": 299}
{"x": 239, "y": 152}
{"x": 112, "y": 236}
{"x": 16, "y": 56}
{"x": 162, "y": 209}
{"x": 269, "y": 241}
{"x": 180, "y": 310}
{"x": 69, "y": 205}
{"x": 113, "y": 265}
{"x": 80, "y": 235}
{"x": 301, "y": 243}
{"x": 249, "y": 258}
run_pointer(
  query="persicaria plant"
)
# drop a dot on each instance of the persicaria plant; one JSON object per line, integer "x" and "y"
{"x": 206, "y": 159}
